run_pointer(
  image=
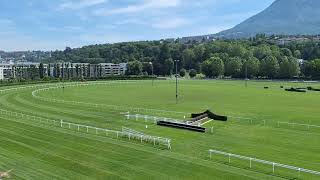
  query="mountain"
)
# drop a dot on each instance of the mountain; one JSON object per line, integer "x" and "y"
{"x": 285, "y": 17}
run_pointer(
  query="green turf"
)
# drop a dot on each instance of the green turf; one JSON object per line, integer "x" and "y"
{"x": 38, "y": 151}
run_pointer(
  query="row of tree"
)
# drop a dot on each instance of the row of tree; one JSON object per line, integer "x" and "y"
{"x": 262, "y": 58}
{"x": 236, "y": 67}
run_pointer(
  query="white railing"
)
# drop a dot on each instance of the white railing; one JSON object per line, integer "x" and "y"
{"x": 251, "y": 160}
{"x": 146, "y": 118}
{"x": 130, "y": 133}
{"x": 60, "y": 123}
{"x": 308, "y": 126}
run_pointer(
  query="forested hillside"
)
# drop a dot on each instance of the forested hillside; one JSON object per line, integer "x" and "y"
{"x": 259, "y": 56}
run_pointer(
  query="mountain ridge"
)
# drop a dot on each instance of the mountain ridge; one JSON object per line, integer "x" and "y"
{"x": 282, "y": 17}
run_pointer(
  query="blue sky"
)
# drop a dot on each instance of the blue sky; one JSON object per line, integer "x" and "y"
{"x": 55, "y": 24}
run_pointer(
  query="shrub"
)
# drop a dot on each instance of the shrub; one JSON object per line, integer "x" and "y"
{"x": 192, "y": 73}
{"x": 182, "y": 72}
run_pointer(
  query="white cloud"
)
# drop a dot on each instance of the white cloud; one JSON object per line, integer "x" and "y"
{"x": 63, "y": 29}
{"x": 76, "y": 5}
{"x": 170, "y": 23}
{"x": 136, "y": 8}
{"x": 130, "y": 21}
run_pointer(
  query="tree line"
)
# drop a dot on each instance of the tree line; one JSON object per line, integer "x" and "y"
{"x": 257, "y": 57}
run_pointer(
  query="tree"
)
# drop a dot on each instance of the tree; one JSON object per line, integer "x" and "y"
{"x": 188, "y": 58}
{"x": 233, "y": 67}
{"x": 147, "y": 67}
{"x": 213, "y": 67}
{"x": 134, "y": 68}
{"x": 286, "y": 52}
{"x": 251, "y": 66}
{"x": 41, "y": 71}
{"x": 315, "y": 69}
{"x": 168, "y": 66}
{"x": 297, "y": 54}
{"x": 199, "y": 52}
{"x": 237, "y": 50}
{"x": 262, "y": 51}
{"x": 193, "y": 73}
{"x": 164, "y": 52}
{"x": 269, "y": 67}
{"x": 182, "y": 72}
{"x": 289, "y": 68}
{"x": 33, "y": 72}
{"x": 307, "y": 68}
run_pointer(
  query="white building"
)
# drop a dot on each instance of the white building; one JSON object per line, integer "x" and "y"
{"x": 1, "y": 73}
{"x": 109, "y": 69}
{"x": 10, "y": 69}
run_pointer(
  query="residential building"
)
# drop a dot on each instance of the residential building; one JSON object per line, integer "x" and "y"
{"x": 109, "y": 69}
{"x": 1, "y": 73}
{"x": 63, "y": 70}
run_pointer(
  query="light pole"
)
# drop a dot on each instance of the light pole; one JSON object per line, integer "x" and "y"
{"x": 152, "y": 72}
{"x": 246, "y": 73}
{"x": 176, "y": 61}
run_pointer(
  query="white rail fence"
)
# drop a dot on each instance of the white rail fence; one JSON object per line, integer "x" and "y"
{"x": 307, "y": 126}
{"x": 157, "y": 141}
{"x": 147, "y": 118}
{"x": 252, "y": 160}
{"x": 125, "y": 133}
{"x": 130, "y": 133}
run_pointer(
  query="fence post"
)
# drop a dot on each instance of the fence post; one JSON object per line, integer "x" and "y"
{"x": 273, "y": 167}
{"x": 87, "y": 129}
{"x": 61, "y": 121}
{"x": 78, "y": 127}
{"x": 210, "y": 154}
{"x": 229, "y": 158}
{"x": 250, "y": 162}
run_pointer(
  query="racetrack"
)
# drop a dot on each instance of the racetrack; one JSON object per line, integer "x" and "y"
{"x": 41, "y": 151}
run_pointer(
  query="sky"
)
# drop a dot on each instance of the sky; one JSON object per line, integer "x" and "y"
{"x": 56, "y": 24}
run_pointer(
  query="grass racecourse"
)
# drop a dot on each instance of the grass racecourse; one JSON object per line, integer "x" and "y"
{"x": 42, "y": 150}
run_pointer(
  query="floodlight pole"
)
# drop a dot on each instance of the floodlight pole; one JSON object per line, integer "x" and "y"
{"x": 152, "y": 72}
{"x": 246, "y": 81}
{"x": 176, "y": 80}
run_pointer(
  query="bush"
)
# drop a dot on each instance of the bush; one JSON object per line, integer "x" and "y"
{"x": 182, "y": 72}
{"x": 192, "y": 73}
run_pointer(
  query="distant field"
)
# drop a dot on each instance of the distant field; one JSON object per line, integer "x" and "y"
{"x": 38, "y": 151}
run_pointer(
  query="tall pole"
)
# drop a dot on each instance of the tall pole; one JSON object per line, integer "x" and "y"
{"x": 176, "y": 81}
{"x": 246, "y": 74}
{"x": 152, "y": 72}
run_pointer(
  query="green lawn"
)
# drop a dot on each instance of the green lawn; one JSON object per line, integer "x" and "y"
{"x": 38, "y": 151}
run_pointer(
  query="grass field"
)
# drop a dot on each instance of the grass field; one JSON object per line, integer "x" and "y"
{"x": 37, "y": 151}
